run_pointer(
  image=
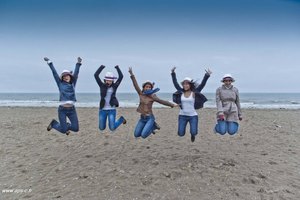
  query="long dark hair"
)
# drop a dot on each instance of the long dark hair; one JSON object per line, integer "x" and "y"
{"x": 192, "y": 86}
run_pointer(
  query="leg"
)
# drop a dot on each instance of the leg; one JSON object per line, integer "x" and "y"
{"x": 149, "y": 126}
{"x": 102, "y": 119}
{"x": 193, "y": 127}
{"x": 221, "y": 127}
{"x": 61, "y": 126}
{"x": 72, "y": 115}
{"x": 232, "y": 127}
{"x": 182, "y": 122}
{"x": 139, "y": 128}
{"x": 113, "y": 124}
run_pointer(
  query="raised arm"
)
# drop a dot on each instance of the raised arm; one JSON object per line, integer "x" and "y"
{"x": 55, "y": 75}
{"x": 163, "y": 102}
{"x": 96, "y": 75}
{"x": 174, "y": 79}
{"x": 204, "y": 80}
{"x": 120, "y": 75}
{"x": 135, "y": 84}
{"x": 76, "y": 71}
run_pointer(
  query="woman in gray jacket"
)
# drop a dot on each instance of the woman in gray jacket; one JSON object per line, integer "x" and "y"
{"x": 228, "y": 105}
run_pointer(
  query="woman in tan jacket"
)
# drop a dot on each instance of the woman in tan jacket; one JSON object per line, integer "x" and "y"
{"x": 146, "y": 125}
{"x": 228, "y": 105}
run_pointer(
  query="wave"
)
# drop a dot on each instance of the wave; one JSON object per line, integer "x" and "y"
{"x": 133, "y": 104}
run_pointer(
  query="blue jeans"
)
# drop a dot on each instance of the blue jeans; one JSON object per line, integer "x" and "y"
{"x": 112, "y": 123}
{"x": 145, "y": 126}
{"x": 182, "y": 122}
{"x": 64, "y": 113}
{"x": 222, "y": 127}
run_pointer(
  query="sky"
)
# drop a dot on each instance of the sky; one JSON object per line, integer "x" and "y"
{"x": 257, "y": 41}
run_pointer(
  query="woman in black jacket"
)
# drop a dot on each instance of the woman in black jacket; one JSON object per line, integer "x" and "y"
{"x": 109, "y": 101}
{"x": 189, "y": 98}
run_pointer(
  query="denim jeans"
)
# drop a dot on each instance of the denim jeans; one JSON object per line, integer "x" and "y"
{"x": 222, "y": 127}
{"x": 145, "y": 126}
{"x": 182, "y": 122}
{"x": 111, "y": 115}
{"x": 64, "y": 113}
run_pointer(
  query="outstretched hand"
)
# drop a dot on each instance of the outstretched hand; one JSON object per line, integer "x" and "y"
{"x": 130, "y": 71}
{"x": 208, "y": 71}
{"x": 176, "y": 106}
{"x": 79, "y": 60}
{"x": 46, "y": 59}
{"x": 173, "y": 69}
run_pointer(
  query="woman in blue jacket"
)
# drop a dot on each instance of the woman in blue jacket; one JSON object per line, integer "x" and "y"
{"x": 66, "y": 83}
{"x": 109, "y": 101}
{"x": 189, "y": 98}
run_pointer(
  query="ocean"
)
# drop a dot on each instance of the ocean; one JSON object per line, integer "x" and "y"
{"x": 248, "y": 100}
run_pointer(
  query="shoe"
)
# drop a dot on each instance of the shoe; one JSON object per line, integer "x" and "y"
{"x": 124, "y": 122}
{"x": 68, "y": 132}
{"x": 193, "y": 138}
{"x": 49, "y": 127}
{"x": 156, "y": 126}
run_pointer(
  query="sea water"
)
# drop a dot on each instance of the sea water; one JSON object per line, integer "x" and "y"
{"x": 248, "y": 100}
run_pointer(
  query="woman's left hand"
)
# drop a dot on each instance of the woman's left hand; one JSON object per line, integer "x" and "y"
{"x": 79, "y": 60}
{"x": 208, "y": 71}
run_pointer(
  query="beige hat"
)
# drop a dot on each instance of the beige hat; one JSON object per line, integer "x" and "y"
{"x": 227, "y": 76}
{"x": 188, "y": 79}
{"x": 66, "y": 72}
{"x": 109, "y": 76}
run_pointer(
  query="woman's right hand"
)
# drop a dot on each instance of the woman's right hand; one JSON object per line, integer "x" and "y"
{"x": 46, "y": 59}
{"x": 173, "y": 69}
{"x": 130, "y": 71}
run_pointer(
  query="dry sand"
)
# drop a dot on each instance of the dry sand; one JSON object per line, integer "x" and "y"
{"x": 261, "y": 162}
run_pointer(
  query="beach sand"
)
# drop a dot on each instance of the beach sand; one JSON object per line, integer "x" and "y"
{"x": 261, "y": 162}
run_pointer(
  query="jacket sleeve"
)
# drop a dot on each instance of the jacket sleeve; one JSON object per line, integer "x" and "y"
{"x": 76, "y": 72}
{"x": 55, "y": 75}
{"x": 135, "y": 84}
{"x": 120, "y": 76}
{"x": 203, "y": 83}
{"x": 96, "y": 75}
{"x": 163, "y": 102}
{"x": 219, "y": 102}
{"x": 237, "y": 102}
{"x": 176, "y": 84}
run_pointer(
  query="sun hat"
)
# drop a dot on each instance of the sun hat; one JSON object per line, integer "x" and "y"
{"x": 109, "y": 76}
{"x": 188, "y": 79}
{"x": 227, "y": 76}
{"x": 148, "y": 82}
{"x": 66, "y": 72}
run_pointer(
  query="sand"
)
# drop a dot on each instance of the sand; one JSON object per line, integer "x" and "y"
{"x": 261, "y": 162}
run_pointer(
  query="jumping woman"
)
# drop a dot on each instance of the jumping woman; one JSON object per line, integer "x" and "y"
{"x": 189, "y": 98}
{"x": 229, "y": 108}
{"x": 146, "y": 125}
{"x": 66, "y": 83}
{"x": 109, "y": 101}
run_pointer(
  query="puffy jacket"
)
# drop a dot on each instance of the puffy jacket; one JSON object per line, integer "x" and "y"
{"x": 103, "y": 87}
{"x": 66, "y": 90}
{"x": 200, "y": 99}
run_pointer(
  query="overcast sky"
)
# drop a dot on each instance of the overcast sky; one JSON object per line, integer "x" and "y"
{"x": 257, "y": 41}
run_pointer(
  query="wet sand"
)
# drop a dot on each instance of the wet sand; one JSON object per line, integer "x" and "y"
{"x": 261, "y": 162}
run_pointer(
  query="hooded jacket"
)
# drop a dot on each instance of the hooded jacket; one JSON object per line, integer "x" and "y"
{"x": 66, "y": 90}
{"x": 103, "y": 87}
{"x": 200, "y": 99}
